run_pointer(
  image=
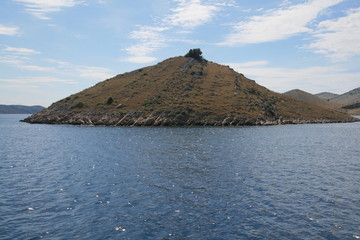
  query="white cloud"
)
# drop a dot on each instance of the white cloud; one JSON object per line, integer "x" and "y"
{"x": 191, "y": 13}
{"x": 22, "y": 51}
{"x": 10, "y": 59}
{"x": 150, "y": 39}
{"x": 25, "y": 63}
{"x": 35, "y": 68}
{"x": 186, "y": 15}
{"x": 19, "y": 58}
{"x": 278, "y": 24}
{"x": 139, "y": 59}
{"x": 28, "y": 80}
{"x": 40, "y": 8}
{"x": 312, "y": 79}
{"x": 252, "y": 64}
{"x": 148, "y": 33}
{"x": 18, "y": 86}
{"x": 99, "y": 73}
{"x": 20, "y": 61}
{"x": 60, "y": 63}
{"x": 10, "y": 31}
{"x": 141, "y": 49}
{"x": 339, "y": 39}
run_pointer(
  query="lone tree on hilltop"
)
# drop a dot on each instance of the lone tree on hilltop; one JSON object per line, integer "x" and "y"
{"x": 195, "y": 53}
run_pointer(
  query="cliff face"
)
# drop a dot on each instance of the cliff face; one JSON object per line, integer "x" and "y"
{"x": 182, "y": 91}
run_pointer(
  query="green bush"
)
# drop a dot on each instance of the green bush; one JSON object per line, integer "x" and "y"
{"x": 195, "y": 53}
{"x": 109, "y": 101}
{"x": 78, "y": 105}
{"x": 352, "y": 106}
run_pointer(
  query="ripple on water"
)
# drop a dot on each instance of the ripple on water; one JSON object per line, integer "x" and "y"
{"x": 279, "y": 182}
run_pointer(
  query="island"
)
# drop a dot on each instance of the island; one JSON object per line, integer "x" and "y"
{"x": 19, "y": 109}
{"x": 183, "y": 91}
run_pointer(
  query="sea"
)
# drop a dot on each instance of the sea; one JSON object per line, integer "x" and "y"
{"x": 249, "y": 182}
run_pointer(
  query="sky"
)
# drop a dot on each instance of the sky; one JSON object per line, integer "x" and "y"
{"x": 50, "y": 49}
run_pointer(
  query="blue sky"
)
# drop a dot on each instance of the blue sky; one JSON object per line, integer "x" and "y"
{"x": 50, "y": 49}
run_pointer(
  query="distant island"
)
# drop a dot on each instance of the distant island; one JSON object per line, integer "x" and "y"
{"x": 19, "y": 109}
{"x": 183, "y": 91}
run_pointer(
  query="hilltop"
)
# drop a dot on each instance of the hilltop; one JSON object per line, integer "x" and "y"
{"x": 348, "y": 98}
{"x": 326, "y": 95}
{"x": 349, "y": 101}
{"x": 19, "y": 109}
{"x": 322, "y": 100}
{"x": 182, "y": 91}
{"x": 312, "y": 99}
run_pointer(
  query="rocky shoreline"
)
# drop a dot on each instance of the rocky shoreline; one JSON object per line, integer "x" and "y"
{"x": 164, "y": 119}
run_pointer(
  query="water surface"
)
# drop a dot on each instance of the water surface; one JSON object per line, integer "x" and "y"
{"x": 275, "y": 182}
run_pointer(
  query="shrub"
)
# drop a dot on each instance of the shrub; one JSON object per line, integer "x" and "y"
{"x": 152, "y": 101}
{"x": 109, "y": 101}
{"x": 195, "y": 53}
{"x": 253, "y": 91}
{"x": 352, "y": 106}
{"x": 78, "y": 105}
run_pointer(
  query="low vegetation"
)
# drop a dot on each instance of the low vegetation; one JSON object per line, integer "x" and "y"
{"x": 352, "y": 106}
{"x": 78, "y": 105}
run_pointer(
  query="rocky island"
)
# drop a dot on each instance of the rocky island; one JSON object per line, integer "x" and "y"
{"x": 183, "y": 91}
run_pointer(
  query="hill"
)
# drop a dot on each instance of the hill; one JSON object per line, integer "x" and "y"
{"x": 19, "y": 109}
{"x": 312, "y": 99}
{"x": 182, "y": 91}
{"x": 348, "y": 98}
{"x": 353, "y": 109}
{"x": 326, "y": 95}
{"x": 348, "y": 101}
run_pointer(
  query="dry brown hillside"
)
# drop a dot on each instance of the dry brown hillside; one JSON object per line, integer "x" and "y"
{"x": 182, "y": 91}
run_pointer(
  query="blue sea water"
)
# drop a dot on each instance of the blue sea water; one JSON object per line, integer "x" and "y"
{"x": 274, "y": 182}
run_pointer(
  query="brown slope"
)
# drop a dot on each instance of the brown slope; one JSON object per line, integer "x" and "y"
{"x": 312, "y": 99}
{"x": 182, "y": 91}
